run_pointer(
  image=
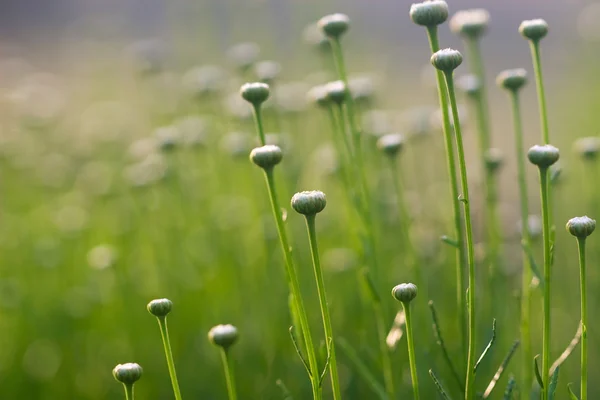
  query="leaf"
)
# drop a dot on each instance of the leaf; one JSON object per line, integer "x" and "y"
{"x": 538, "y": 377}
{"x": 509, "y": 388}
{"x": 565, "y": 354}
{"x": 439, "y": 386}
{"x": 360, "y": 367}
{"x": 571, "y": 394}
{"x": 553, "y": 383}
{"x": 370, "y": 285}
{"x": 286, "y": 393}
{"x": 488, "y": 347}
{"x": 501, "y": 369}
{"x": 326, "y": 367}
{"x": 532, "y": 263}
{"x": 295, "y": 342}
{"x": 449, "y": 241}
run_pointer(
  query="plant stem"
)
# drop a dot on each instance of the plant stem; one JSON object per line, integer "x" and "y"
{"x": 294, "y": 284}
{"x": 546, "y": 324}
{"x": 229, "y": 377}
{"x": 469, "y": 386}
{"x": 259, "y": 124}
{"x": 411, "y": 350}
{"x": 432, "y": 34}
{"x": 164, "y": 332}
{"x": 128, "y": 392}
{"x": 582, "y": 273}
{"x": 314, "y": 251}
{"x": 539, "y": 83}
{"x": 527, "y": 275}
{"x": 388, "y": 376}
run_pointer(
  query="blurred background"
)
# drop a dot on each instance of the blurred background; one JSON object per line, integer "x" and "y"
{"x": 124, "y": 177}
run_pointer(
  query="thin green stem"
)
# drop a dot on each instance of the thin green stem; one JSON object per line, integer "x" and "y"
{"x": 128, "y": 392}
{"x": 527, "y": 275}
{"x": 582, "y": 272}
{"x": 539, "y": 83}
{"x": 314, "y": 251}
{"x": 471, "y": 356}
{"x": 411, "y": 350}
{"x": 229, "y": 377}
{"x": 544, "y": 189}
{"x": 294, "y": 284}
{"x": 432, "y": 34}
{"x": 259, "y": 124}
{"x": 164, "y": 332}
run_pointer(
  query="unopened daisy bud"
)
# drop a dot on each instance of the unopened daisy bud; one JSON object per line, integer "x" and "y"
{"x": 318, "y": 96}
{"x": 266, "y": 156}
{"x": 429, "y": 13}
{"x": 128, "y": 373}
{"x": 405, "y": 292}
{"x": 309, "y": 203}
{"x": 512, "y": 79}
{"x": 470, "y": 23}
{"x": 543, "y": 156}
{"x": 267, "y": 71}
{"x": 223, "y": 335}
{"x": 493, "y": 159}
{"x": 581, "y": 227}
{"x": 534, "y": 29}
{"x": 469, "y": 84}
{"x": 391, "y": 144}
{"x": 160, "y": 307}
{"x": 255, "y": 93}
{"x": 588, "y": 147}
{"x": 334, "y": 25}
{"x": 336, "y": 91}
{"x": 446, "y": 60}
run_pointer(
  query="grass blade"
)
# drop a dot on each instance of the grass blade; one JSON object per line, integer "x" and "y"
{"x": 509, "y": 388}
{"x": 572, "y": 395}
{"x": 361, "y": 369}
{"x": 439, "y": 386}
{"x": 488, "y": 347}
{"x": 286, "y": 393}
{"x": 295, "y": 342}
{"x": 501, "y": 370}
{"x": 553, "y": 383}
{"x": 565, "y": 354}
{"x": 538, "y": 376}
{"x": 532, "y": 263}
{"x": 449, "y": 241}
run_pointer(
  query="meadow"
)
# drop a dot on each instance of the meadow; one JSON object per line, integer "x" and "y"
{"x": 301, "y": 236}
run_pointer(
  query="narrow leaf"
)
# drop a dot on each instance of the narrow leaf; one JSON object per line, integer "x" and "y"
{"x": 572, "y": 395}
{"x": 286, "y": 393}
{"x": 439, "y": 386}
{"x": 538, "y": 376}
{"x": 565, "y": 354}
{"x": 326, "y": 367}
{"x": 553, "y": 384}
{"x": 294, "y": 341}
{"x": 449, "y": 241}
{"x": 501, "y": 369}
{"x": 370, "y": 285}
{"x": 488, "y": 347}
{"x": 509, "y": 388}
{"x": 532, "y": 263}
{"x": 360, "y": 368}
{"x": 440, "y": 341}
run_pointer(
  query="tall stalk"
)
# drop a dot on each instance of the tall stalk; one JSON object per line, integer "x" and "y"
{"x": 405, "y": 293}
{"x": 224, "y": 336}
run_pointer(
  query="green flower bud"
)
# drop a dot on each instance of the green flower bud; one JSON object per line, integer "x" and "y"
{"x": 446, "y": 60}
{"x": 588, "y": 147}
{"x": 266, "y": 156}
{"x": 223, "y": 335}
{"x": 469, "y": 84}
{"x": 309, "y": 203}
{"x": 128, "y": 373}
{"x": 581, "y": 227}
{"x": 543, "y": 156}
{"x": 267, "y": 71}
{"x": 319, "y": 96}
{"x": 429, "y": 13}
{"x": 534, "y": 29}
{"x": 391, "y": 144}
{"x": 470, "y": 23}
{"x": 512, "y": 79}
{"x": 160, "y": 307}
{"x": 405, "y": 292}
{"x": 255, "y": 93}
{"x": 336, "y": 91}
{"x": 493, "y": 159}
{"x": 334, "y": 25}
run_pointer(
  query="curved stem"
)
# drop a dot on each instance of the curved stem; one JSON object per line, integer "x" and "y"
{"x": 582, "y": 280}
{"x": 432, "y": 34}
{"x": 294, "y": 284}
{"x": 259, "y": 124}
{"x": 469, "y": 386}
{"x": 314, "y": 251}
{"x": 164, "y": 332}
{"x": 411, "y": 350}
{"x": 229, "y": 377}
{"x": 546, "y": 324}
{"x": 128, "y": 392}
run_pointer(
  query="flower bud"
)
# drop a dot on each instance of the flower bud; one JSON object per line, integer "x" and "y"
{"x": 391, "y": 144}
{"x": 493, "y": 159}
{"x": 469, "y": 84}
{"x": 512, "y": 79}
{"x": 405, "y": 292}
{"x": 128, "y": 373}
{"x": 470, "y": 23}
{"x": 309, "y": 203}
{"x": 534, "y": 29}
{"x": 429, "y": 13}
{"x": 160, "y": 307}
{"x": 336, "y": 91}
{"x": 334, "y": 25}
{"x": 588, "y": 147}
{"x": 255, "y": 93}
{"x": 267, "y": 71}
{"x": 319, "y": 96}
{"x": 581, "y": 227}
{"x": 543, "y": 156}
{"x": 223, "y": 335}
{"x": 446, "y": 60}
{"x": 266, "y": 156}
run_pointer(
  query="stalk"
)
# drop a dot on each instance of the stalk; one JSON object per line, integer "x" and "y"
{"x": 539, "y": 84}
{"x": 164, "y": 333}
{"x": 229, "y": 377}
{"x": 544, "y": 188}
{"x": 582, "y": 280}
{"x": 411, "y": 350}
{"x": 128, "y": 392}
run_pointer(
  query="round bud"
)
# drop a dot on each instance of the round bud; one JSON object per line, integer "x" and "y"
{"x": 588, "y": 147}
{"x": 469, "y": 84}
{"x": 318, "y": 95}
{"x": 512, "y": 79}
{"x": 405, "y": 292}
{"x": 470, "y": 23}
{"x": 255, "y": 93}
{"x": 581, "y": 227}
{"x": 534, "y": 29}
{"x": 267, "y": 71}
{"x": 493, "y": 159}
{"x": 543, "y": 156}
{"x": 223, "y": 335}
{"x": 429, "y": 13}
{"x": 160, "y": 307}
{"x": 336, "y": 91}
{"x": 128, "y": 373}
{"x": 334, "y": 25}
{"x": 266, "y": 156}
{"x": 309, "y": 203}
{"x": 391, "y": 144}
{"x": 446, "y": 60}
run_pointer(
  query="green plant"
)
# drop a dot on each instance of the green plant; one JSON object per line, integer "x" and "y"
{"x": 128, "y": 374}
{"x": 224, "y": 336}
{"x": 405, "y": 293}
